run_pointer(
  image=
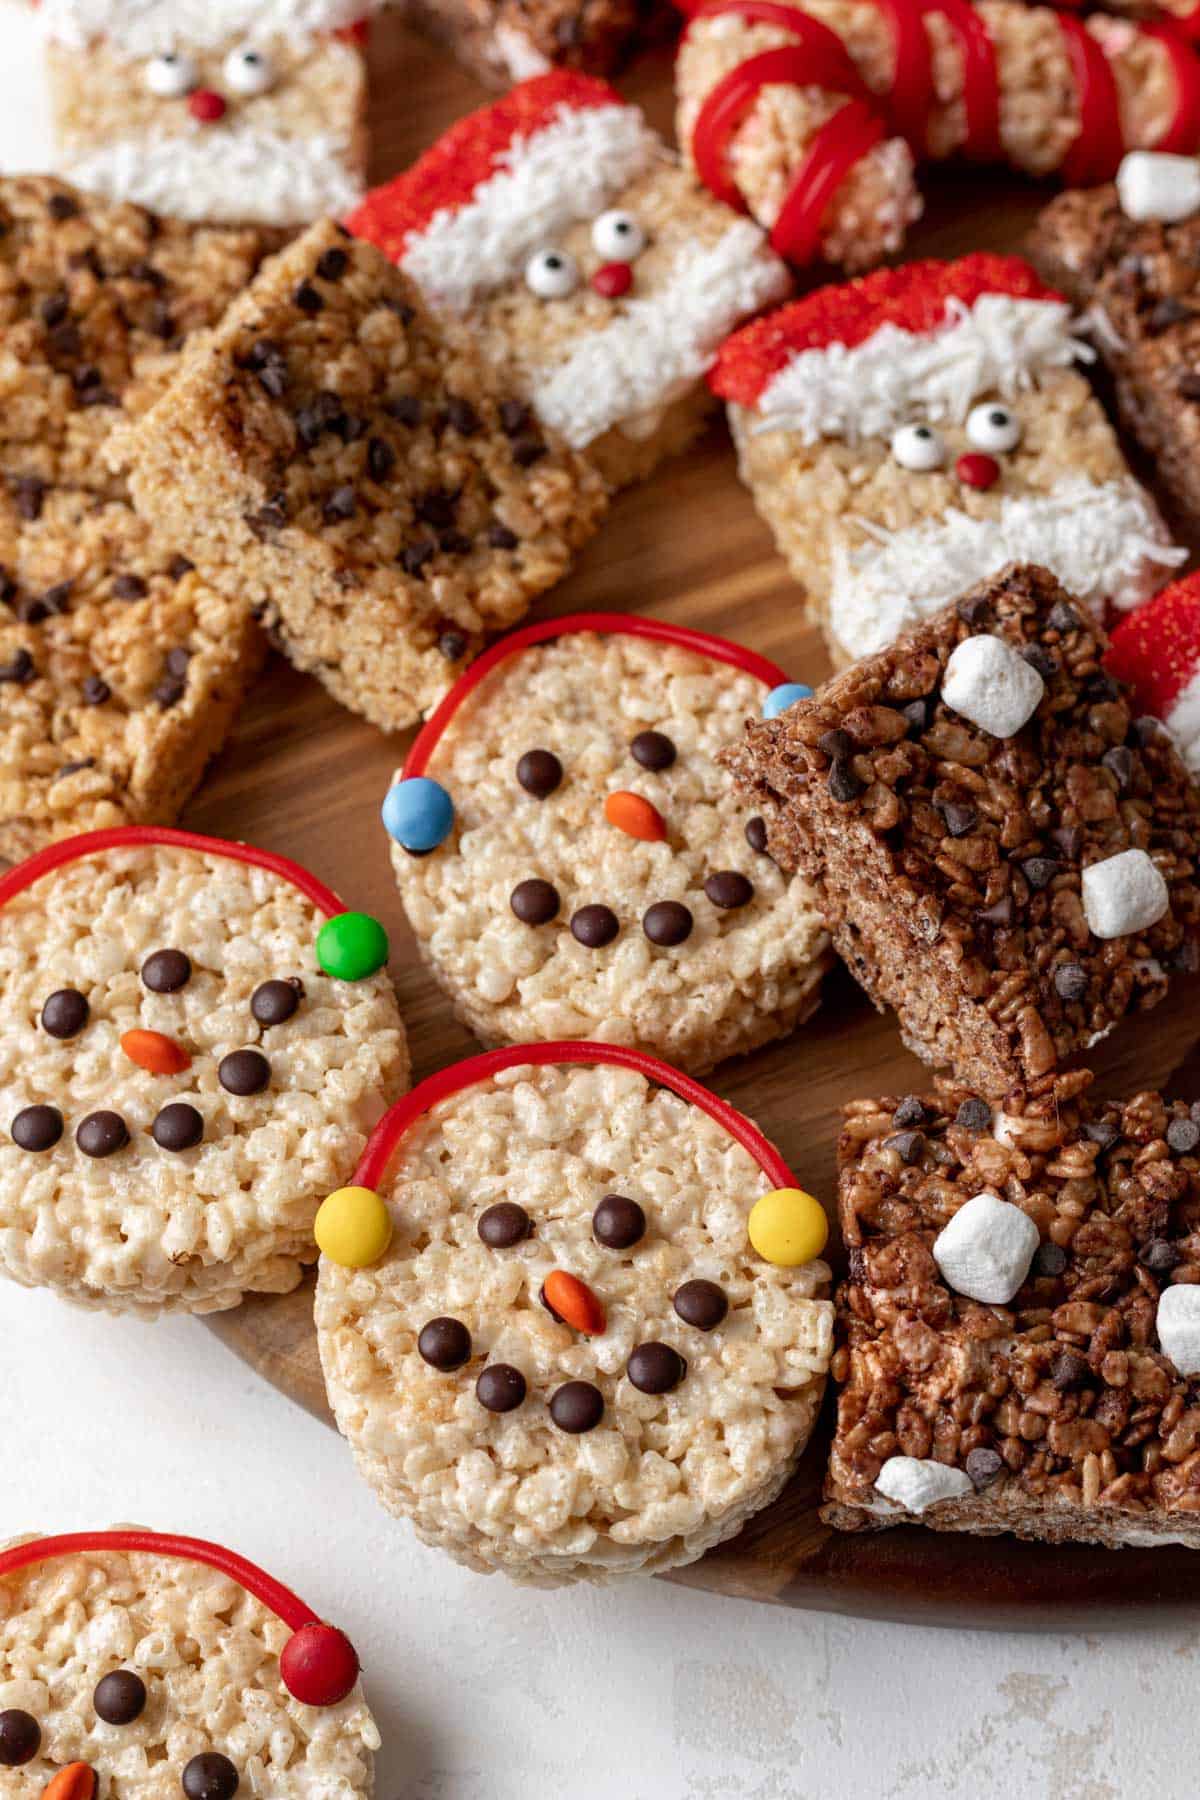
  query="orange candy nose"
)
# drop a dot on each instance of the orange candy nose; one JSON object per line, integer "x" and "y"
{"x": 572, "y": 1301}
{"x": 151, "y": 1050}
{"x": 631, "y": 814}
{"x": 75, "y": 1782}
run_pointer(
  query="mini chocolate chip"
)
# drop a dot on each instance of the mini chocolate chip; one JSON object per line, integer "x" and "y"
{"x": 1049, "y": 1259}
{"x": 701, "y": 1303}
{"x": 307, "y": 299}
{"x": 324, "y": 412}
{"x": 1159, "y": 1256}
{"x": 729, "y": 889}
{"x": 1039, "y": 871}
{"x": 844, "y": 785}
{"x": 908, "y": 1145}
{"x": 244, "y": 1072}
{"x": 500, "y": 1388}
{"x": 273, "y": 1002}
{"x": 539, "y": 773}
{"x": 983, "y": 1466}
{"x": 62, "y": 207}
{"x": 974, "y": 1115}
{"x": 618, "y": 1222}
{"x": 31, "y": 609}
{"x": 655, "y": 1368}
{"x": 170, "y": 691}
{"x": 1104, "y": 1132}
{"x": 341, "y": 504}
{"x": 1039, "y": 658}
{"x": 37, "y": 1128}
{"x": 1000, "y": 913}
{"x": 269, "y": 363}
{"x": 414, "y": 557}
{"x": 444, "y": 1344}
{"x": 332, "y": 263}
{"x": 504, "y": 1225}
{"x": 756, "y": 835}
{"x": 1101, "y": 687}
{"x": 102, "y": 1134}
{"x": 1145, "y": 730}
{"x": 534, "y": 902}
{"x": 381, "y": 459}
{"x": 857, "y": 1264}
{"x": 20, "y": 1738}
{"x": 917, "y": 714}
{"x": 1070, "y": 981}
{"x": 577, "y": 1406}
{"x": 96, "y": 691}
{"x": 65, "y": 1013}
{"x": 98, "y": 396}
{"x": 514, "y": 417}
{"x": 594, "y": 926}
{"x": 461, "y": 415}
{"x": 653, "y": 749}
{"x": 404, "y": 408}
{"x": 910, "y": 1112}
{"x": 1119, "y": 763}
{"x": 73, "y": 768}
{"x": 500, "y": 537}
{"x": 452, "y": 645}
{"x": 20, "y": 670}
{"x": 437, "y": 507}
{"x": 177, "y": 1127}
{"x": 129, "y": 587}
{"x": 166, "y": 971}
{"x": 974, "y": 610}
{"x": 1183, "y": 1136}
{"x": 28, "y": 494}
{"x": 120, "y": 1698}
{"x": 667, "y": 923}
{"x": 1068, "y": 1369}
{"x": 54, "y": 309}
{"x": 178, "y": 660}
{"x": 1188, "y": 385}
{"x": 836, "y": 744}
{"x": 1062, "y": 618}
{"x": 960, "y": 820}
{"x": 1168, "y": 312}
{"x": 454, "y": 543}
{"x": 210, "y": 1776}
{"x": 179, "y": 566}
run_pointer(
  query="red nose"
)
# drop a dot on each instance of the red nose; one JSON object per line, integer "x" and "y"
{"x": 206, "y": 106}
{"x": 977, "y": 471}
{"x": 613, "y": 279}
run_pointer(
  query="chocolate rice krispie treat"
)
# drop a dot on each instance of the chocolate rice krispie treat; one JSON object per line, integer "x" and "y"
{"x": 503, "y": 41}
{"x": 375, "y": 493}
{"x": 1003, "y": 853}
{"x": 1019, "y": 1336}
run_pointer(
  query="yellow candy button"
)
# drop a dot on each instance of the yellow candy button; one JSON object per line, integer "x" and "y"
{"x": 788, "y": 1227}
{"x": 353, "y": 1227}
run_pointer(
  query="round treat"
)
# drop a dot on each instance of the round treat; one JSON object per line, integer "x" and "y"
{"x": 599, "y": 881}
{"x": 618, "y": 1387}
{"x": 143, "y": 1182}
{"x": 164, "y": 1668}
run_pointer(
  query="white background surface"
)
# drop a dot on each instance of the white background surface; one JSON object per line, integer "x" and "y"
{"x": 485, "y": 1692}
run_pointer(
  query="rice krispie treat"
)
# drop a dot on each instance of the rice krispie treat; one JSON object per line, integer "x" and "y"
{"x": 596, "y": 876}
{"x": 1019, "y": 1337}
{"x": 571, "y": 1315}
{"x": 558, "y": 233}
{"x": 1003, "y": 852}
{"x": 811, "y": 117}
{"x": 1156, "y": 652}
{"x": 197, "y": 1040}
{"x": 140, "y": 1666}
{"x": 373, "y": 490}
{"x": 912, "y": 432}
{"x": 211, "y": 109}
{"x": 502, "y": 41}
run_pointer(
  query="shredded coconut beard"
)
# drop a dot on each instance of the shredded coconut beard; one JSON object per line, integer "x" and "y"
{"x": 233, "y": 176}
{"x": 1104, "y": 541}
{"x": 141, "y": 28}
{"x": 998, "y": 345}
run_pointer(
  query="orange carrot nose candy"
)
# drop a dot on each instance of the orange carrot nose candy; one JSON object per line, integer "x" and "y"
{"x": 573, "y": 1303}
{"x": 635, "y": 816}
{"x": 75, "y": 1782}
{"x": 153, "y": 1051}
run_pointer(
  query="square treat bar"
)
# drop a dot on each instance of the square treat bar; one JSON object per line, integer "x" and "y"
{"x": 370, "y": 489}
{"x": 211, "y": 109}
{"x": 1019, "y": 1337}
{"x": 120, "y": 669}
{"x": 502, "y": 41}
{"x": 95, "y": 301}
{"x": 1003, "y": 854}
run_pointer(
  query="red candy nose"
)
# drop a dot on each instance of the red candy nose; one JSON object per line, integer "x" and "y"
{"x": 206, "y": 106}
{"x": 977, "y": 471}
{"x": 613, "y": 279}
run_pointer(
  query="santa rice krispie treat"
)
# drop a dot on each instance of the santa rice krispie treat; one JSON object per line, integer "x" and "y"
{"x": 197, "y": 1040}
{"x": 574, "y": 863}
{"x": 910, "y": 433}
{"x": 212, "y": 109}
{"x": 1156, "y": 651}
{"x": 571, "y": 1315}
{"x": 140, "y": 1666}
{"x": 561, "y": 235}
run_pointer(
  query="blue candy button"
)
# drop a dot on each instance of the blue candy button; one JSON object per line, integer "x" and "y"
{"x": 780, "y": 698}
{"x": 418, "y": 813}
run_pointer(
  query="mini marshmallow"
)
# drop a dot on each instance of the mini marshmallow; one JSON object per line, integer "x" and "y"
{"x": 915, "y": 1482}
{"x": 986, "y": 1249}
{"x": 1123, "y": 894}
{"x": 1151, "y": 185}
{"x": 989, "y": 684}
{"x": 1178, "y": 1323}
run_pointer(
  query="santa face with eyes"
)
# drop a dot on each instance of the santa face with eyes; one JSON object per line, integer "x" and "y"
{"x": 909, "y": 434}
{"x": 219, "y": 113}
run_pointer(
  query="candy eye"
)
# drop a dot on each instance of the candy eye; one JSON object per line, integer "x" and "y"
{"x": 248, "y": 71}
{"x": 551, "y": 274}
{"x": 993, "y": 428}
{"x": 171, "y": 75}
{"x": 918, "y": 447}
{"x": 617, "y": 237}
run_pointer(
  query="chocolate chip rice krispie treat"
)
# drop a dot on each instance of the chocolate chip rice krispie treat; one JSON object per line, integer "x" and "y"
{"x": 910, "y": 433}
{"x": 1019, "y": 1336}
{"x": 571, "y": 1315}
{"x": 197, "y": 1040}
{"x": 557, "y": 231}
{"x": 598, "y": 878}
{"x": 138, "y": 1666}
{"x": 1003, "y": 853}
{"x": 374, "y": 492}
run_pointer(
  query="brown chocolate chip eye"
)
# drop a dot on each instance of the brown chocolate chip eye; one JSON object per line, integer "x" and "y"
{"x": 274, "y": 1002}
{"x": 618, "y": 1222}
{"x": 729, "y": 889}
{"x": 65, "y": 1013}
{"x": 577, "y": 1406}
{"x": 667, "y": 923}
{"x": 120, "y": 1698}
{"x": 756, "y": 835}
{"x": 444, "y": 1344}
{"x": 37, "y": 1128}
{"x": 244, "y": 1072}
{"x": 656, "y": 1368}
{"x": 102, "y": 1134}
{"x": 594, "y": 926}
{"x": 539, "y": 773}
{"x": 210, "y": 1776}
{"x": 702, "y": 1304}
{"x": 534, "y": 902}
{"x": 20, "y": 1738}
{"x": 503, "y": 1225}
{"x": 500, "y": 1388}
{"x": 653, "y": 750}
{"x": 178, "y": 1127}
{"x": 166, "y": 971}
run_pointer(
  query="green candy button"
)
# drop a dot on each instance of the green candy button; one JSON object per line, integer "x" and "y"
{"x": 352, "y": 946}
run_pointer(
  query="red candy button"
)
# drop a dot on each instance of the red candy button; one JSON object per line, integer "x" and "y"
{"x": 206, "y": 106}
{"x": 977, "y": 470}
{"x": 613, "y": 279}
{"x": 319, "y": 1665}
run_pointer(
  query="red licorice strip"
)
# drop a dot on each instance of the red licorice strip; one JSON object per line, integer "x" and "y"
{"x": 123, "y": 837}
{"x": 1096, "y": 153}
{"x": 610, "y": 624}
{"x": 385, "y": 1138}
{"x": 1182, "y": 136}
{"x": 841, "y": 142}
{"x": 729, "y": 102}
{"x": 911, "y": 97}
{"x": 980, "y": 77}
{"x": 1187, "y": 22}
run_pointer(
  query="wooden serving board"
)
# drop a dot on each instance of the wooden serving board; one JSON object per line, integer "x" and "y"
{"x": 303, "y": 777}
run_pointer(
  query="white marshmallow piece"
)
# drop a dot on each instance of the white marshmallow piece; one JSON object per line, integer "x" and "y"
{"x": 916, "y": 1482}
{"x": 1178, "y": 1324}
{"x": 1151, "y": 185}
{"x": 1123, "y": 894}
{"x": 989, "y": 684}
{"x": 986, "y": 1249}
